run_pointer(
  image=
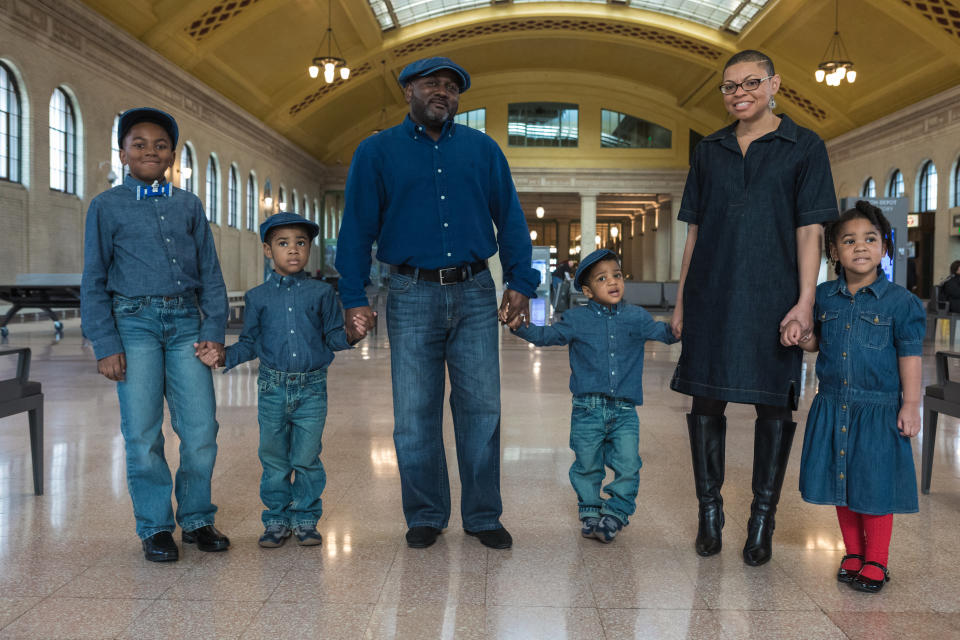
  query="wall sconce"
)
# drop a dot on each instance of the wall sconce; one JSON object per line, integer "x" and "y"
{"x": 186, "y": 172}
{"x": 268, "y": 202}
{"x": 540, "y": 212}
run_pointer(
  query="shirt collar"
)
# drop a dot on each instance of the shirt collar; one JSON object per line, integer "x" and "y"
{"x": 878, "y": 287}
{"x": 287, "y": 281}
{"x": 728, "y": 135}
{"x": 602, "y": 308}
{"x": 413, "y": 129}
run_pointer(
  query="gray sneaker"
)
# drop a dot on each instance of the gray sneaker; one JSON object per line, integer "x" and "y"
{"x": 274, "y": 536}
{"x": 307, "y": 535}
{"x": 607, "y": 529}
{"x": 589, "y": 525}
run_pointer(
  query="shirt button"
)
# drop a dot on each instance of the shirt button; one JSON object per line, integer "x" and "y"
{"x": 844, "y": 407}
{"x": 168, "y": 239}
{"x": 445, "y": 225}
{"x": 289, "y": 308}
{"x": 174, "y": 260}
{"x": 842, "y": 452}
{"x": 178, "y": 282}
{"x": 443, "y": 197}
{"x": 844, "y": 381}
{"x": 162, "y": 218}
{"x": 844, "y": 354}
{"x": 291, "y": 330}
{"x": 439, "y": 170}
{"x": 841, "y": 476}
{"x": 294, "y": 355}
{"x": 848, "y": 325}
{"x": 843, "y": 429}
{"x": 449, "y": 254}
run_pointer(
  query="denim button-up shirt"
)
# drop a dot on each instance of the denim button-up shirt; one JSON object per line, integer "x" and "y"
{"x": 606, "y": 347}
{"x": 292, "y": 323}
{"x": 431, "y": 204}
{"x": 863, "y": 335}
{"x": 156, "y": 246}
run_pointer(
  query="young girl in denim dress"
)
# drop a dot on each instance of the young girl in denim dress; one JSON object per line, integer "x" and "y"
{"x": 856, "y": 448}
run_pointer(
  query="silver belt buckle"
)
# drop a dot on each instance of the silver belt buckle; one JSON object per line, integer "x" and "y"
{"x": 449, "y": 272}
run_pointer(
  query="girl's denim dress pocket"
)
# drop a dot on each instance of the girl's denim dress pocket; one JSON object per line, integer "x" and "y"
{"x": 829, "y": 322}
{"x": 873, "y": 330}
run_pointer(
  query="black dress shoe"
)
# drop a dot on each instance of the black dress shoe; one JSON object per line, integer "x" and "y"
{"x": 868, "y": 585}
{"x": 160, "y": 547}
{"x": 846, "y": 575}
{"x": 421, "y": 537}
{"x": 207, "y": 538}
{"x": 493, "y": 538}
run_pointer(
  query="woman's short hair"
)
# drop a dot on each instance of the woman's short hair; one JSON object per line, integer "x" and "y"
{"x": 752, "y": 55}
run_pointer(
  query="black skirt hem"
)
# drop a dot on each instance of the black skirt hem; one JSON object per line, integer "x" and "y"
{"x": 728, "y": 394}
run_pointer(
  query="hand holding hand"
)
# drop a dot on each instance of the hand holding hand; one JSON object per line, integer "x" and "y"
{"x": 790, "y": 334}
{"x": 676, "y": 321}
{"x": 357, "y": 322}
{"x": 802, "y": 313}
{"x": 210, "y": 353}
{"x": 908, "y": 421}
{"x": 514, "y": 309}
{"x": 114, "y": 367}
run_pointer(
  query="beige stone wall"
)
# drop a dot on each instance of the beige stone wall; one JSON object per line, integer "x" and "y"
{"x": 62, "y": 44}
{"x": 906, "y": 140}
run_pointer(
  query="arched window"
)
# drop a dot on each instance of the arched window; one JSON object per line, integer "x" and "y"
{"x": 9, "y": 126}
{"x": 213, "y": 190}
{"x": 626, "y": 131}
{"x": 927, "y": 193}
{"x": 475, "y": 119}
{"x": 268, "y": 197}
{"x": 316, "y": 218}
{"x": 186, "y": 168}
{"x": 252, "y": 199}
{"x": 63, "y": 143}
{"x": 306, "y": 207}
{"x": 869, "y": 188}
{"x": 296, "y": 203}
{"x": 233, "y": 197}
{"x": 895, "y": 186}
{"x": 283, "y": 199}
{"x": 542, "y": 124}
{"x": 956, "y": 184}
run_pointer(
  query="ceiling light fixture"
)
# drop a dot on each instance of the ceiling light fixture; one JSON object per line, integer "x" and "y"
{"x": 540, "y": 212}
{"x": 329, "y": 63}
{"x": 835, "y": 64}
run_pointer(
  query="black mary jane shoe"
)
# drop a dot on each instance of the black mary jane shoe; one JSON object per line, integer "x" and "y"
{"x": 160, "y": 547}
{"x": 845, "y": 575}
{"x": 868, "y": 585}
{"x": 207, "y": 538}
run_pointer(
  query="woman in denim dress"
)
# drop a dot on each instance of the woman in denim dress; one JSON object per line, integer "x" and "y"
{"x": 856, "y": 447}
{"x": 754, "y": 199}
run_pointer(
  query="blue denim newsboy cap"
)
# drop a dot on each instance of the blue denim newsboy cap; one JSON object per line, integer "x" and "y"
{"x": 285, "y": 218}
{"x": 426, "y": 66}
{"x": 131, "y": 117}
{"x": 589, "y": 261}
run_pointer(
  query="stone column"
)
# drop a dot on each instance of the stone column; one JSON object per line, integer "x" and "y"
{"x": 588, "y": 224}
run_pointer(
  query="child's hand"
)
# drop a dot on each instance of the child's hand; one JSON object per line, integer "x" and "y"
{"x": 908, "y": 422}
{"x": 113, "y": 367}
{"x": 790, "y": 334}
{"x": 210, "y": 353}
{"x": 210, "y": 358}
{"x": 358, "y": 326}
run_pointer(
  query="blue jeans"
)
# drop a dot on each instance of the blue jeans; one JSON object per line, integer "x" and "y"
{"x": 605, "y": 431}
{"x": 158, "y": 335}
{"x": 433, "y": 327}
{"x": 292, "y": 408}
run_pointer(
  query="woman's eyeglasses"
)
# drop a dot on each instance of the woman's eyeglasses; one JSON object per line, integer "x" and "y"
{"x": 748, "y": 85}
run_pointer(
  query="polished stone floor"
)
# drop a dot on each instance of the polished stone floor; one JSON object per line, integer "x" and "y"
{"x": 71, "y": 566}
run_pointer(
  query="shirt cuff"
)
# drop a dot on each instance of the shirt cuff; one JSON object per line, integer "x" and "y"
{"x": 688, "y": 216}
{"x": 819, "y": 216}
{"x": 211, "y": 333}
{"x": 107, "y": 347}
{"x": 906, "y": 349}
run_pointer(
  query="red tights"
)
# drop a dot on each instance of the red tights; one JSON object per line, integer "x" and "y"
{"x": 868, "y": 536}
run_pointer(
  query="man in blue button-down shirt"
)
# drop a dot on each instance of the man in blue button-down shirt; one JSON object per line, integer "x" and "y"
{"x": 151, "y": 290}
{"x": 606, "y": 359}
{"x": 438, "y": 200}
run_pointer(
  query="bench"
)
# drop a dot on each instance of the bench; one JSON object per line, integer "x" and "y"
{"x": 651, "y": 295}
{"x": 44, "y": 291}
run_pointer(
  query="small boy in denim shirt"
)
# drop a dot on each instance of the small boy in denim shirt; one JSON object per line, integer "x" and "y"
{"x": 151, "y": 292}
{"x": 293, "y": 323}
{"x": 606, "y": 358}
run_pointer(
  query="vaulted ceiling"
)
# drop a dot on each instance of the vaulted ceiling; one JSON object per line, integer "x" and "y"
{"x": 256, "y": 52}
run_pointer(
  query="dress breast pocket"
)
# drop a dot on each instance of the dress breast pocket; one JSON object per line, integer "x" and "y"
{"x": 873, "y": 330}
{"x": 829, "y": 322}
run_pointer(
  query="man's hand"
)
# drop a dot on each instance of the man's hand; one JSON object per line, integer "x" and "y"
{"x": 514, "y": 309}
{"x": 210, "y": 353}
{"x": 357, "y": 322}
{"x": 113, "y": 367}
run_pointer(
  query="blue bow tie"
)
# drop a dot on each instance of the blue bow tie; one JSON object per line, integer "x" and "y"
{"x": 156, "y": 189}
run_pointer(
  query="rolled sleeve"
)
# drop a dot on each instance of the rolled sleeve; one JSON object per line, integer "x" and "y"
{"x": 815, "y": 195}
{"x": 910, "y": 327}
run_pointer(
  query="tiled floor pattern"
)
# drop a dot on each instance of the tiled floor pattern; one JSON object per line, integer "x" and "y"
{"x": 71, "y": 566}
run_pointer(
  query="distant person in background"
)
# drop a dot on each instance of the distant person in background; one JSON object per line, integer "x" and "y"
{"x": 950, "y": 288}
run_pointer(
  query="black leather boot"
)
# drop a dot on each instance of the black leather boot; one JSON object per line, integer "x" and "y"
{"x": 771, "y": 452}
{"x": 707, "y": 439}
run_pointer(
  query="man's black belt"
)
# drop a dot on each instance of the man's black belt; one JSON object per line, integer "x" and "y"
{"x": 447, "y": 275}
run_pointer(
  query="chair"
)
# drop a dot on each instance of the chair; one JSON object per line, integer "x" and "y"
{"x": 18, "y": 395}
{"x": 943, "y": 397}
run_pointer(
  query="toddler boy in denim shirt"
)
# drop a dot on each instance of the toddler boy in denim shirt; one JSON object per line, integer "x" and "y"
{"x": 606, "y": 340}
{"x": 293, "y": 323}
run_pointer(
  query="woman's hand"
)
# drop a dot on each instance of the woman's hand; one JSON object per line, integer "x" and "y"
{"x": 676, "y": 321}
{"x": 801, "y": 313}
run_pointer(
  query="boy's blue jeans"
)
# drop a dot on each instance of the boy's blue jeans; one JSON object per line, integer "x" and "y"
{"x": 292, "y": 409}
{"x": 605, "y": 431}
{"x": 158, "y": 334}
{"x": 432, "y": 328}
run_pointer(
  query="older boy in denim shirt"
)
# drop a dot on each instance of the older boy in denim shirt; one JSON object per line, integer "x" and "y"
{"x": 606, "y": 358}
{"x": 293, "y": 323}
{"x": 151, "y": 289}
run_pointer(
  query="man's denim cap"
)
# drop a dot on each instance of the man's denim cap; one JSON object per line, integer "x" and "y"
{"x": 426, "y": 66}
{"x": 589, "y": 261}
{"x": 131, "y": 117}
{"x": 285, "y": 218}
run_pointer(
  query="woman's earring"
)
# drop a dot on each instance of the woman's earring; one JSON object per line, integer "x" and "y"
{"x": 772, "y": 103}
